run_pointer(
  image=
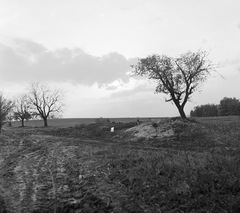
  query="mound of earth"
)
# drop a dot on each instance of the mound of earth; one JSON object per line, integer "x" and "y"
{"x": 153, "y": 129}
{"x": 164, "y": 128}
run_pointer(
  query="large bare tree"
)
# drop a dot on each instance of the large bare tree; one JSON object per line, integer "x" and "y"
{"x": 45, "y": 101}
{"x": 177, "y": 77}
{"x": 5, "y": 108}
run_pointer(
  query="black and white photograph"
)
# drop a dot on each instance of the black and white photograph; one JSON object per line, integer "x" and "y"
{"x": 119, "y": 106}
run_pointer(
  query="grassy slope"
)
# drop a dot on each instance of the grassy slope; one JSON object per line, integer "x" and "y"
{"x": 87, "y": 168}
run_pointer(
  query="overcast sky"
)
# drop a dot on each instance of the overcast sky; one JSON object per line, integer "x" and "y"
{"x": 86, "y": 48}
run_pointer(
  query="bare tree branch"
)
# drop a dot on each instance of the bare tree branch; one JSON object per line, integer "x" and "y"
{"x": 45, "y": 100}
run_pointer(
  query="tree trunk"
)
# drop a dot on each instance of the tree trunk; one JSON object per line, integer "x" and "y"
{"x": 182, "y": 113}
{"x": 45, "y": 121}
{"x": 180, "y": 107}
{"x": 22, "y": 122}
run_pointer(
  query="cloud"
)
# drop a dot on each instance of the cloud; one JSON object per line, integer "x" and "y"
{"x": 27, "y": 61}
{"x": 29, "y": 47}
{"x": 111, "y": 87}
{"x": 130, "y": 92}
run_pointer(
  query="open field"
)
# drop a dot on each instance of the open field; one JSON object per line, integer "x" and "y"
{"x": 85, "y": 168}
{"x": 68, "y": 122}
{"x": 219, "y": 119}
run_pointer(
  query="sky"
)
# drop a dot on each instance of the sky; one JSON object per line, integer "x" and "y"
{"x": 86, "y": 47}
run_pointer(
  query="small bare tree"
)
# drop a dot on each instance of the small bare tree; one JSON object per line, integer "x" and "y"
{"x": 5, "y": 108}
{"x": 22, "y": 109}
{"x": 45, "y": 101}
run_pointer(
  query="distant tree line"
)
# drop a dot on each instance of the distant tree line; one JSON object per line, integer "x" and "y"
{"x": 226, "y": 107}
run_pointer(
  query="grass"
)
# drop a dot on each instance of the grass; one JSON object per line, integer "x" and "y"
{"x": 87, "y": 168}
{"x": 218, "y": 119}
{"x": 180, "y": 183}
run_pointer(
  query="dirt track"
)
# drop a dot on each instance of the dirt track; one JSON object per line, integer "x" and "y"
{"x": 42, "y": 172}
{"x": 45, "y": 173}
